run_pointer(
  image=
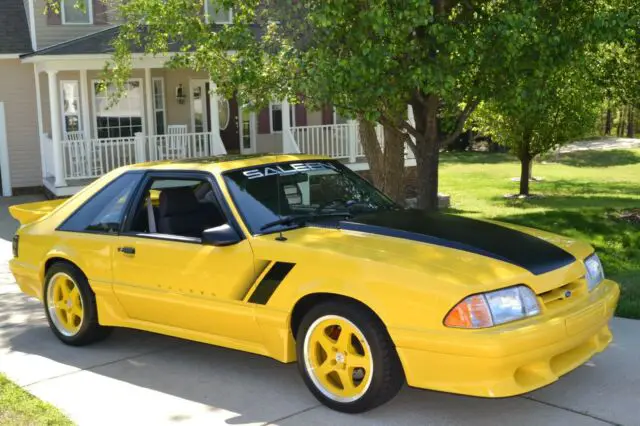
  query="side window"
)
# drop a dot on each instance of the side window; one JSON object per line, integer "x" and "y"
{"x": 104, "y": 212}
{"x": 175, "y": 206}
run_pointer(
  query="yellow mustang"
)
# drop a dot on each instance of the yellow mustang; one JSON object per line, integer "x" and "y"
{"x": 297, "y": 258}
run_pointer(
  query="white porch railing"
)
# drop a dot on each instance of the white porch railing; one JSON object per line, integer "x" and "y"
{"x": 187, "y": 145}
{"x": 87, "y": 159}
{"x": 91, "y": 158}
{"x": 341, "y": 141}
{"x": 334, "y": 140}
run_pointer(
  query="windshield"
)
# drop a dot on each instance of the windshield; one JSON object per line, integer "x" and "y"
{"x": 267, "y": 195}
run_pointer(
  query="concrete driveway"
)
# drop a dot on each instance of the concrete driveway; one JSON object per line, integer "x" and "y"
{"x": 137, "y": 378}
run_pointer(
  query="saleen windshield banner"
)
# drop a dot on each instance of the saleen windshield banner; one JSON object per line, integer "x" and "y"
{"x": 286, "y": 169}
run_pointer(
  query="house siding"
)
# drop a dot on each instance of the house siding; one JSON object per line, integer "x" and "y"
{"x": 17, "y": 91}
{"x": 48, "y": 35}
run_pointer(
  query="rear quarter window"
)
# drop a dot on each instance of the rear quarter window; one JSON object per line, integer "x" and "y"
{"x": 104, "y": 211}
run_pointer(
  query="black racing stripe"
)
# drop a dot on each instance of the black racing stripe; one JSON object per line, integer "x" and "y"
{"x": 270, "y": 282}
{"x": 487, "y": 239}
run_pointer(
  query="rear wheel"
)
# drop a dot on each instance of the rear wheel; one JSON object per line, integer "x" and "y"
{"x": 347, "y": 358}
{"x": 70, "y": 306}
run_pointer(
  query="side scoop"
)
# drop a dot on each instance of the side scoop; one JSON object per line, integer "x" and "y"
{"x": 30, "y": 212}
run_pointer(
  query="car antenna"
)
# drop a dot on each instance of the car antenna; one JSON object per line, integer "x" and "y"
{"x": 280, "y": 237}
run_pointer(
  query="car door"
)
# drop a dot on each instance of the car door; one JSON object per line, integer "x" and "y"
{"x": 165, "y": 275}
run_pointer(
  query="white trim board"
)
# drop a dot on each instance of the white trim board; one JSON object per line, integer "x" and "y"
{"x": 5, "y": 171}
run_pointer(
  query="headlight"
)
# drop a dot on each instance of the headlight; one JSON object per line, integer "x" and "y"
{"x": 494, "y": 308}
{"x": 595, "y": 273}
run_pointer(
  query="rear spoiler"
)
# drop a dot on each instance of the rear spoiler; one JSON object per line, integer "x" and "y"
{"x": 30, "y": 212}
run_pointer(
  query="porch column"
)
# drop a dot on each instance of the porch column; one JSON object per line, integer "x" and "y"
{"x": 56, "y": 131}
{"x": 36, "y": 73}
{"x": 217, "y": 146}
{"x": 353, "y": 140}
{"x": 150, "y": 118}
{"x": 84, "y": 107}
{"x": 289, "y": 145}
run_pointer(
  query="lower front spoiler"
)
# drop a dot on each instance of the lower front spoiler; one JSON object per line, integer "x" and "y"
{"x": 503, "y": 373}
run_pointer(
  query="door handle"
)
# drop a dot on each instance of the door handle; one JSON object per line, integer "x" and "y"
{"x": 127, "y": 250}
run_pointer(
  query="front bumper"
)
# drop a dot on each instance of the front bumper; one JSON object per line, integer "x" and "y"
{"x": 513, "y": 358}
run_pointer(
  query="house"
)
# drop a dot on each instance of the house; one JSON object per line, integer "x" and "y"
{"x": 61, "y": 133}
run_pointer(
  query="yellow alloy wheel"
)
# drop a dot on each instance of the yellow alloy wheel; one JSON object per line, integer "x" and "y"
{"x": 338, "y": 358}
{"x": 65, "y": 304}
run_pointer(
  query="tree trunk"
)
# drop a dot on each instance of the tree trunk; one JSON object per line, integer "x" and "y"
{"x": 427, "y": 152}
{"x": 631, "y": 130}
{"x": 619, "y": 133}
{"x": 525, "y": 173}
{"x": 608, "y": 122}
{"x": 393, "y": 164}
{"x": 386, "y": 166}
{"x": 372, "y": 150}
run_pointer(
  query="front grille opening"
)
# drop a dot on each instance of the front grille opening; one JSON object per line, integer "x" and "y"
{"x": 559, "y": 296}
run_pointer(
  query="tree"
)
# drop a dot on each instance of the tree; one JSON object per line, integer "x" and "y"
{"x": 369, "y": 59}
{"x": 542, "y": 113}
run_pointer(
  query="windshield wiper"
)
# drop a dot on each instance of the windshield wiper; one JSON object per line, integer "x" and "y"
{"x": 302, "y": 218}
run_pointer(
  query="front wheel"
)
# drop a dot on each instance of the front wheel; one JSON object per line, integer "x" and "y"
{"x": 346, "y": 357}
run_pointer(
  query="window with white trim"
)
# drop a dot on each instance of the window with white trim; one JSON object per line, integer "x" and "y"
{"x": 122, "y": 119}
{"x": 275, "y": 116}
{"x": 215, "y": 13}
{"x": 159, "y": 105}
{"x": 70, "y": 98}
{"x": 76, "y": 12}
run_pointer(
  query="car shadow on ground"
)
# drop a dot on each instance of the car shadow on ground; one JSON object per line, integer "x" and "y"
{"x": 255, "y": 388}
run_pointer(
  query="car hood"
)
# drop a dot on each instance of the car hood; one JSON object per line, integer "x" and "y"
{"x": 472, "y": 254}
{"x": 538, "y": 254}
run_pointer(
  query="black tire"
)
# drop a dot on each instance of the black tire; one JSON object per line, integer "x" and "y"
{"x": 90, "y": 330}
{"x": 388, "y": 375}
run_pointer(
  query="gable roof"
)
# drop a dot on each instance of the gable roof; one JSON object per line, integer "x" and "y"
{"x": 14, "y": 28}
{"x": 100, "y": 43}
{"x": 94, "y": 43}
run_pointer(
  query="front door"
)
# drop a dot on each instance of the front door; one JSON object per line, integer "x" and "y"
{"x": 247, "y": 131}
{"x": 164, "y": 274}
{"x": 229, "y": 124}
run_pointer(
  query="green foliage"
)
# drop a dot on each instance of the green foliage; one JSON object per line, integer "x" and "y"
{"x": 365, "y": 58}
{"x": 543, "y": 112}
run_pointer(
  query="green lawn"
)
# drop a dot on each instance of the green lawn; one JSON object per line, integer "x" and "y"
{"x": 20, "y": 408}
{"x": 579, "y": 192}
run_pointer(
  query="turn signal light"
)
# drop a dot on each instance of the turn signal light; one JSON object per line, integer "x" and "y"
{"x": 472, "y": 312}
{"x": 493, "y": 308}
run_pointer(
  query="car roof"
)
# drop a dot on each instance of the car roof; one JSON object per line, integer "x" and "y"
{"x": 222, "y": 163}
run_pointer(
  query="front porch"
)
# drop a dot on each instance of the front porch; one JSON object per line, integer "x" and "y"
{"x": 166, "y": 114}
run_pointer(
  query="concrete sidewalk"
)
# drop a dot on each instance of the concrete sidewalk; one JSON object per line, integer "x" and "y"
{"x": 137, "y": 378}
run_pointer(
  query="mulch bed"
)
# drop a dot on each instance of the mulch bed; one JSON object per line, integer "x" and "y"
{"x": 631, "y": 216}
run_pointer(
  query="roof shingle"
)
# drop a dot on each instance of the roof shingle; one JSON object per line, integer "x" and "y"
{"x": 14, "y": 28}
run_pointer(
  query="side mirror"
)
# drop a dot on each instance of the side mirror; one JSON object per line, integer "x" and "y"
{"x": 223, "y": 235}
